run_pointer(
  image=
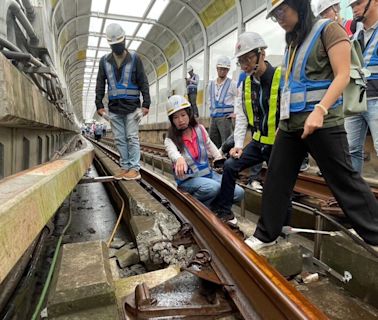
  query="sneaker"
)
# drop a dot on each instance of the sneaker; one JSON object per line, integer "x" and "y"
{"x": 255, "y": 185}
{"x": 224, "y": 215}
{"x": 257, "y": 244}
{"x": 120, "y": 175}
{"x": 232, "y": 222}
{"x": 132, "y": 175}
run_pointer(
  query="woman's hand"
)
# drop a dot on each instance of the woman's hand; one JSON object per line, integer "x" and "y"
{"x": 181, "y": 167}
{"x": 313, "y": 122}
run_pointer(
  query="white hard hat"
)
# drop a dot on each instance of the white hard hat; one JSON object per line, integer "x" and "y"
{"x": 247, "y": 42}
{"x": 189, "y": 68}
{"x": 318, "y": 6}
{"x": 271, "y": 5}
{"x": 115, "y": 33}
{"x": 176, "y": 103}
{"x": 224, "y": 62}
{"x": 350, "y": 2}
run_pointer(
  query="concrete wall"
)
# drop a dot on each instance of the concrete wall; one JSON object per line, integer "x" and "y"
{"x": 22, "y": 148}
{"x": 31, "y": 128}
{"x": 23, "y": 105}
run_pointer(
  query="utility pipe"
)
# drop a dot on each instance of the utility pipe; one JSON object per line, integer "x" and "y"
{"x": 30, "y": 12}
{"x": 15, "y": 8}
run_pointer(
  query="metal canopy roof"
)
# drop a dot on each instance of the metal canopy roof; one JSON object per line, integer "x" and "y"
{"x": 165, "y": 33}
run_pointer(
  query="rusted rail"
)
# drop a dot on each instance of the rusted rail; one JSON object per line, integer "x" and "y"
{"x": 306, "y": 184}
{"x": 257, "y": 289}
{"x": 317, "y": 187}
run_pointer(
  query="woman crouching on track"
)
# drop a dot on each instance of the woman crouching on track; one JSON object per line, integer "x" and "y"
{"x": 315, "y": 72}
{"x": 188, "y": 146}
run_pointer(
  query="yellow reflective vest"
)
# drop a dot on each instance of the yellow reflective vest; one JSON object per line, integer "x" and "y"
{"x": 269, "y": 137}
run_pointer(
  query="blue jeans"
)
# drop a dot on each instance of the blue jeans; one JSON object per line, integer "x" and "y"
{"x": 356, "y": 128}
{"x": 126, "y": 137}
{"x": 206, "y": 189}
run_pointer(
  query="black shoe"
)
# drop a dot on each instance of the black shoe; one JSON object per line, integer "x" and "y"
{"x": 224, "y": 214}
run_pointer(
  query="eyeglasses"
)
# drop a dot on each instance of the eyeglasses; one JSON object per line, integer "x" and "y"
{"x": 243, "y": 60}
{"x": 279, "y": 13}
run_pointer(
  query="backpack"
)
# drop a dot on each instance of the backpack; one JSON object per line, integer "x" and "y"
{"x": 354, "y": 95}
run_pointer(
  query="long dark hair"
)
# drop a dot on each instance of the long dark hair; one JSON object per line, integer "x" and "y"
{"x": 306, "y": 20}
{"x": 175, "y": 134}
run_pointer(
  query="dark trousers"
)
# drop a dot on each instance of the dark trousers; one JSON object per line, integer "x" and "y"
{"x": 329, "y": 147}
{"x": 192, "y": 96}
{"x": 220, "y": 129}
{"x": 253, "y": 153}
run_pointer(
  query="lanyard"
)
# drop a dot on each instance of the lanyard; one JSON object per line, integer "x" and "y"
{"x": 289, "y": 65}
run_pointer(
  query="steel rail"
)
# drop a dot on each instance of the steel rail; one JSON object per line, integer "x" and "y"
{"x": 256, "y": 288}
{"x": 310, "y": 185}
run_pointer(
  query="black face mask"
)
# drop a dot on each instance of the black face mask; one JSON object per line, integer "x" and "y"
{"x": 118, "y": 48}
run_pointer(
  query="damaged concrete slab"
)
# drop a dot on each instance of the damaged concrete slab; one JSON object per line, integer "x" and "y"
{"x": 151, "y": 223}
{"x": 83, "y": 279}
{"x": 126, "y": 286}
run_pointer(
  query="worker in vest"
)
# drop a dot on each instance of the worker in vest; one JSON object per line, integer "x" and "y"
{"x": 311, "y": 120}
{"x": 124, "y": 73}
{"x": 330, "y": 9}
{"x": 192, "y": 86}
{"x": 259, "y": 109}
{"x": 366, "y": 12}
{"x": 188, "y": 146}
{"x": 222, "y": 94}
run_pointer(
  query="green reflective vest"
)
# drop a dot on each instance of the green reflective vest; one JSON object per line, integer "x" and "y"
{"x": 273, "y": 107}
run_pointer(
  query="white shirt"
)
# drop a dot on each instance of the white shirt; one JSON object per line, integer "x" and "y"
{"x": 369, "y": 32}
{"x": 241, "y": 121}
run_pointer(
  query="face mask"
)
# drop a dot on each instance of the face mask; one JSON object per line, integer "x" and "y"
{"x": 118, "y": 48}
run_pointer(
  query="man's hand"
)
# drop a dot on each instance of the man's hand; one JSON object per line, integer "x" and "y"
{"x": 236, "y": 152}
{"x": 101, "y": 112}
{"x": 232, "y": 116}
{"x": 181, "y": 167}
{"x": 145, "y": 111}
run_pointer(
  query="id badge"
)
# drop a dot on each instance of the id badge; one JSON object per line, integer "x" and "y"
{"x": 285, "y": 104}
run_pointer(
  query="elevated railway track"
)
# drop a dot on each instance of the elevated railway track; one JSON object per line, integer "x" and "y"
{"x": 256, "y": 289}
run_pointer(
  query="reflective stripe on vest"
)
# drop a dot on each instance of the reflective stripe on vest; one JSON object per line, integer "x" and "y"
{"x": 124, "y": 89}
{"x": 273, "y": 104}
{"x": 200, "y": 167}
{"x": 219, "y": 108}
{"x": 304, "y": 92}
{"x": 371, "y": 56}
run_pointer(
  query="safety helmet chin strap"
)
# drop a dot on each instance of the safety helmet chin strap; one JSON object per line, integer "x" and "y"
{"x": 258, "y": 55}
{"x": 362, "y": 18}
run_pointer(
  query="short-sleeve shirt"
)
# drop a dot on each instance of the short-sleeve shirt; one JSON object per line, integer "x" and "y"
{"x": 319, "y": 68}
